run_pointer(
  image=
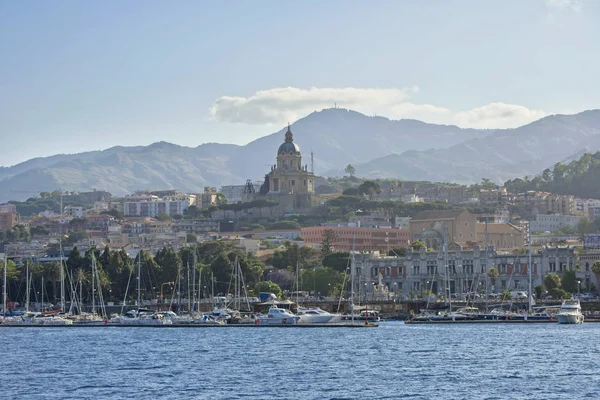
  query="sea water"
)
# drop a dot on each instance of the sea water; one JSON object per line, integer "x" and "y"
{"x": 492, "y": 361}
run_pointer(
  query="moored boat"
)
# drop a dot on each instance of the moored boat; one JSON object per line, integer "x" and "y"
{"x": 277, "y": 316}
{"x": 570, "y": 312}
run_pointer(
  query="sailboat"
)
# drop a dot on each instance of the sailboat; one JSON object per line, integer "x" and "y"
{"x": 142, "y": 316}
{"x": 93, "y": 318}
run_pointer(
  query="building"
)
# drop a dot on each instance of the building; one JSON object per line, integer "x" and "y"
{"x": 235, "y": 193}
{"x": 553, "y": 222}
{"x": 74, "y": 212}
{"x": 373, "y": 220}
{"x": 402, "y": 222}
{"x": 289, "y": 183}
{"x": 8, "y": 219}
{"x": 149, "y": 205}
{"x": 359, "y": 239}
{"x": 467, "y": 269}
{"x": 8, "y": 208}
{"x": 428, "y": 226}
{"x": 196, "y": 226}
{"x": 501, "y": 236}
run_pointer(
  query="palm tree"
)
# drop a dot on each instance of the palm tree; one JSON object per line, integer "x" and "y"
{"x": 493, "y": 274}
{"x": 81, "y": 276}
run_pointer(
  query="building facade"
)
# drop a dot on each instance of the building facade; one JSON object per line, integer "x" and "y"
{"x": 289, "y": 182}
{"x": 467, "y": 270}
{"x": 359, "y": 239}
{"x": 502, "y": 236}
{"x": 428, "y": 226}
{"x": 553, "y": 222}
{"x": 152, "y": 206}
{"x": 8, "y": 220}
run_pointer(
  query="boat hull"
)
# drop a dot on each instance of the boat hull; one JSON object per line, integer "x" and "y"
{"x": 570, "y": 318}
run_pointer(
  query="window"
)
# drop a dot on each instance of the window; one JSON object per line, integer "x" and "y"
{"x": 483, "y": 269}
{"x": 587, "y": 267}
{"x": 293, "y": 182}
{"x": 416, "y": 269}
{"x": 552, "y": 266}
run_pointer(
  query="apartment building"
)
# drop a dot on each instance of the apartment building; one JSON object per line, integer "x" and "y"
{"x": 359, "y": 239}
{"x": 148, "y": 205}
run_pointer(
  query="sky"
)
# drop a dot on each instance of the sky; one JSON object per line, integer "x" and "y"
{"x": 88, "y": 75}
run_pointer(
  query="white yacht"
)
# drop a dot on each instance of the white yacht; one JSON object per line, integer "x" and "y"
{"x": 570, "y": 312}
{"x": 277, "y": 316}
{"x": 317, "y": 316}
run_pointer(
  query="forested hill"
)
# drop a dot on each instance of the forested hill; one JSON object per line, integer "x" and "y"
{"x": 579, "y": 177}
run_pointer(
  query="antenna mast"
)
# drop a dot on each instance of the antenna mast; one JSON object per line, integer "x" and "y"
{"x": 312, "y": 161}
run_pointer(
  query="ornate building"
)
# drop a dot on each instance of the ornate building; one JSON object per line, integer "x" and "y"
{"x": 289, "y": 182}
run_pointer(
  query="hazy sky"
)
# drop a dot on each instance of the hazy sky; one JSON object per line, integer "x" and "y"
{"x": 88, "y": 75}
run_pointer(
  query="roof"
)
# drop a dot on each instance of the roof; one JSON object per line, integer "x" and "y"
{"x": 497, "y": 228}
{"x": 437, "y": 214}
{"x": 289, "y": 147}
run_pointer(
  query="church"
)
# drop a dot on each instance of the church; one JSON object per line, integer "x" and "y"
{"x": 289, "y": 182}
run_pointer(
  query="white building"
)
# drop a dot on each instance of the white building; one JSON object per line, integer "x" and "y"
{"x": 553, "y": 222}
{"x": 152, "y": 206}
{"x": 73, "y": 211}
{"x": 402, "y": 222}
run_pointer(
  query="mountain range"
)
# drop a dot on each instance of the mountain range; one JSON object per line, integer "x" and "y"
{"x": 376, "y": 146}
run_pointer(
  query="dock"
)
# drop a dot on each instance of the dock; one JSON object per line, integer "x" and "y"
{"x": 117, "y": 326}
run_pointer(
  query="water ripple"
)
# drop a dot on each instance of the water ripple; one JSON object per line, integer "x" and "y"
{"x": 394, "y": 361}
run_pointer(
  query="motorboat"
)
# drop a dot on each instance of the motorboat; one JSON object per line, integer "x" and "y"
{"x": 570, "y": 312}
{"x": 277, "y": 316}
{"x": 317, "y": 316}
{"x": 143, "y": 317}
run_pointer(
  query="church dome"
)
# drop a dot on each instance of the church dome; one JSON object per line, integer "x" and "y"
{"x": 288, "y": 147}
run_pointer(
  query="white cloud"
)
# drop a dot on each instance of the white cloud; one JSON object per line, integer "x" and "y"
{"x": 281, "y": 105}
{"x": 497, "y": 115}
{"x": 573, "y": 5}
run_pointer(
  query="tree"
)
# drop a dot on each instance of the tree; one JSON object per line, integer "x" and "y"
{"x": 220, "y": 199}
{"x": 329, "y": 238}
{"x": 75, "y": 260}
{"x": 369, "y": 188}
{"x": 493, "y": 275}
{"x": 350, "y": 170}
{"x": 596, "y": 270}
{"x": 191, "y": 238}
{"x": 552, "y": 281}
{"x": 339, "y": 262}
{"x": 418, "y": 245}
{"x": 268, "y": 287}
{"x": 350, "y": 192}
{"x": 397, "y": 252}
{"x": 569, "y": 281}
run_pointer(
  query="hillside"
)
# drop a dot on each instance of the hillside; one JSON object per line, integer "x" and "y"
{"x": 577, "y": 177}
{"x": 337, "y": 137}
{"x": 502, "y": 155}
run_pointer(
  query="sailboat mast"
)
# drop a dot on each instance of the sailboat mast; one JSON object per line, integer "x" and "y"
{"x": 139, "y": 281}
{"x": 188, "y": 289}
{"x": 194, "y": 280}
{"x": 529, "y": 274}
{"x": 352, "y": 281}
{"x": 93, "y": 283}
{"x": 297, "y": 285}
{"x": 62, "y": 275}
{"x": 27, "y": 292}
{"x": 447, "y": 289}
{"x": 42, "y": 294}
{"x": 4, "y": 288}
